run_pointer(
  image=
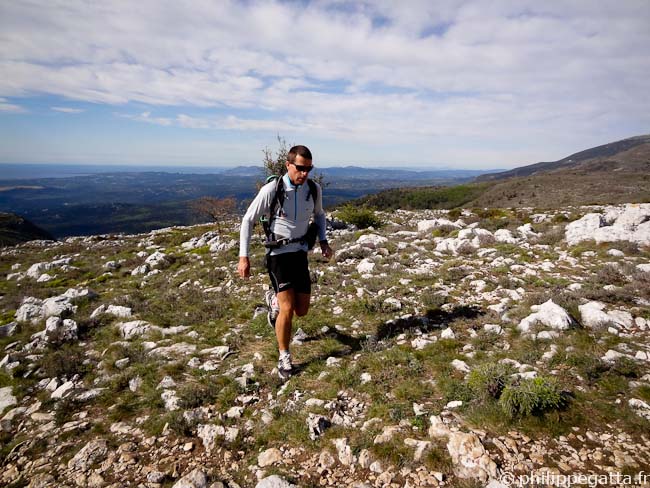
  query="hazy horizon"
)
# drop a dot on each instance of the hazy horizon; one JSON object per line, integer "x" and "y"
{"x": 11, "y": 171}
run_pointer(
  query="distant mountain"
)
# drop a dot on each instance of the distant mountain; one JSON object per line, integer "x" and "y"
{"x": 15, "y": 229}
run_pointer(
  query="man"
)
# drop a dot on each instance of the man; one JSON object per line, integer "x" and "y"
{"x": 287, "y": 263}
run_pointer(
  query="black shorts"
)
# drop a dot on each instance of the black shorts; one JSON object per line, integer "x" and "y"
{"x": 289, "y": 271}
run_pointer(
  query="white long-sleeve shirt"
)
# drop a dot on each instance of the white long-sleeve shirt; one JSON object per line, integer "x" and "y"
{"x": 291, "y": 219}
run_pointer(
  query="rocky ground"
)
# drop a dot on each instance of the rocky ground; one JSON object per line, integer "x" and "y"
{"x": 441, "y": 350}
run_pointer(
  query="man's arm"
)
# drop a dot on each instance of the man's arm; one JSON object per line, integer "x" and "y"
{"x": 258, "y": 207}
{"x": 321, "y": 222}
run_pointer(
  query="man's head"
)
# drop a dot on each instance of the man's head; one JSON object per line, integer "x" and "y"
{"x": 299, "y": 163}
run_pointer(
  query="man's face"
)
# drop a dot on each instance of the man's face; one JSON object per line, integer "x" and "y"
{"x": 297, "y": 176}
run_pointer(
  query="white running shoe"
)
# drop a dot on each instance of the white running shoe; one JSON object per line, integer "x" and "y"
{"x": 274, "y": 309}
{"x": 285, "y": 368}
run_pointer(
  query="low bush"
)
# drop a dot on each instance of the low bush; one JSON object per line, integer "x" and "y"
{"x": 489, "y": 380}
{"x": 362, "y": 217}
{"x": 531, "y": 396}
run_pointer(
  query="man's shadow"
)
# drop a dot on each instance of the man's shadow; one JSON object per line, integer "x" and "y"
{"x": 431, "y": 320}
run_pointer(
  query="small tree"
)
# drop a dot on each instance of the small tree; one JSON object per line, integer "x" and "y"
{"x": 215, "y": 208}
{"x": 277, "y": 165}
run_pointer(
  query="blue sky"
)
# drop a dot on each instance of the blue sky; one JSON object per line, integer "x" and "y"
{"x": 461, "y": 84}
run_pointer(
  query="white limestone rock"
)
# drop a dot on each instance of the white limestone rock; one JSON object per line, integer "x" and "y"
{"x": 9, "y": 329}
{"x": 158, "y": 260}
{"x": 133, "y": 329}
{"x": 371, "y": 240}
{"x": 526, "y": 231}
{"x": 448, "y": 333}
{"x": 60, "y": 306}
{"x": 344, "y": 451}
{"x": 593, "y": 316}
{"x": 365, "y": 266}
{"x": 269, "y": 457}
{"x": 171, "y": 400}
{"x": 274, "y": 481}
{"x": 505, "y": 236}
{"x": 59, "y": 330}
{"x": 429, "y": 225}
{"x": 115, "y": 310}
{"x": 548, "y": 314}
{"x": 469, "y": 457}
{"x": 640, "y": 407}
{"x": 141, "y": 270}
{"x": 7, "y": 399}
{"x": 392, "y": 305}
{"x": 93, "y": 452}
{"x": 317, "y": 425}
{"x": 30, "y": 310}
{"x": 194, "y": 479}
{"x": 630, "y": 223}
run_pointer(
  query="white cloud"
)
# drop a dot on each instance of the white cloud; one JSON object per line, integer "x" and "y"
{"x": 370, "y": 70}
{"x": 10, "y": 107}
{"x": 68, "y": 110}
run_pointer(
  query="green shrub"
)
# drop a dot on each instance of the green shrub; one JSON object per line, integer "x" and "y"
{"x": 489, "y": 380}
{"x": 362, "y": 217}
{"x": 526, "y": 397}
{"x": 66, "y": 361}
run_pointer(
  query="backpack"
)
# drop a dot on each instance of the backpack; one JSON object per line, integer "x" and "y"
{"x": 312, "y": 231}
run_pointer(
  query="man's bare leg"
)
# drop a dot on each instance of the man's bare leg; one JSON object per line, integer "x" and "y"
{"x": 290, "y": 302}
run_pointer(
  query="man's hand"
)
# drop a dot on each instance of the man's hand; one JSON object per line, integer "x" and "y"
{"x": 244, "y": 267}
{"x": 326, "y": 250}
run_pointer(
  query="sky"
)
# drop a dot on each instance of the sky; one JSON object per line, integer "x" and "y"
{"x": 474, "y": 84}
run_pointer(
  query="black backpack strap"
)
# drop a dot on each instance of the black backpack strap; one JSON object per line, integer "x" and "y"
{"x": 278, "y": 198}
{"x": 313, "y": 191}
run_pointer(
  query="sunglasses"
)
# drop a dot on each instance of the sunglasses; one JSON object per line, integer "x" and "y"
{"x": 303, "y": 169}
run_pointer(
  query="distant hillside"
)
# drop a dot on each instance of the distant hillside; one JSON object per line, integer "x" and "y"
{"x": 618, "y": 172}
{"x": 614, "y": 173}
{"x": 632, "y": 153}
{"x": 15, "y": 229}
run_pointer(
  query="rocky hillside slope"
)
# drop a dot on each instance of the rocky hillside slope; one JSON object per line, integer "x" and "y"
{"x": 438, "y": 352}
{"x": 613, "y": 173}
{"x": 15, "y": 229}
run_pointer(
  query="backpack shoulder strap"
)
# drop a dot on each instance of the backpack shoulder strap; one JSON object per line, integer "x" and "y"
{"x": 313, "y": 191}
{"x": 278, "y": 197}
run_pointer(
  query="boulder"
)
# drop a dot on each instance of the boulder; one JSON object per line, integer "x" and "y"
{"x": 274, "y": 481}
{"x": 6, "y": 398}
{"x": 158, "y": 260}
{"x": 630, "y": 223}
{"x": 583, "y": 228}
{"x": 194, "y": 479}
{"x": 593, "y": 316}
{"x": 548, "y": 314}
{"x": 60, "y": 306}
{"x": 371, "y": 240}
{"x": 429, "y": 225}
{"x": 505, "y": 236}
{"x": 469, "y": 457}
{"x": 269, "y": 457}
{"x": 9, "y": 329}
{"x": 30, "y": 310}
{"x": 317, "y": 425}
{"x": 59, "y": 330}
{"x": 365, "y": 266}
{"x": 92, "y": 453}
{"x": 135, "y": 328}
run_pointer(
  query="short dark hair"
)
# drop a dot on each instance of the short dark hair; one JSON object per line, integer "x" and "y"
{"x": 298, "y": 151}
